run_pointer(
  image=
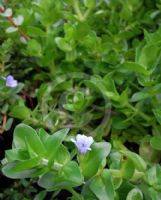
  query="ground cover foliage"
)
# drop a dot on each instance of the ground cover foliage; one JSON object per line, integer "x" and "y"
{"x": 80, "y": 90}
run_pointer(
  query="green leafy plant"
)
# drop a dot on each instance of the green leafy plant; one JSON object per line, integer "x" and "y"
{"x": 91, "y": 66}
{"x": 44, "y": 156}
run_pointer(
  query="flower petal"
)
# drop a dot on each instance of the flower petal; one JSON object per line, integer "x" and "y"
{"x": 11, "y": 82}
{"x": 83, "y": 143}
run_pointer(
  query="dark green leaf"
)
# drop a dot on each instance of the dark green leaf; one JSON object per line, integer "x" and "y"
{"x": 155, "y": 142}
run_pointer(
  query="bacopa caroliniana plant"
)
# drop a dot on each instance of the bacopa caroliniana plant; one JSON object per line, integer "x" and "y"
{"x": 101, "y": 173}
{"x": 117, "y": 45}
{"x": 45, "y": 156}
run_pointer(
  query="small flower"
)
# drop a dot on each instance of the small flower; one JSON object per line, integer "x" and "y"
{"x": 83, "y": 143}
{"x": 11, "y": 82}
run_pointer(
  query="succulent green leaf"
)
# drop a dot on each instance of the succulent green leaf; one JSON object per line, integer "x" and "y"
{"x": 53, "y": 143}
{"x": 102, "y": 186}
{"x": 139, "y": 163}
{"x": 91, "y": 161}
{"x": 135, "y": 194}
{"x": 25, "y": 134}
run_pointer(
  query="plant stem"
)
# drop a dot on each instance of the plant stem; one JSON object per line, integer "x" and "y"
{"x": 77, "y": 10}
{"x": 140, "y": 128}
{"x": 2, "y": 129}
{"x": 157, "y": 132}
{"x": 116, "y": 173}
{"x": 143, "y": 115}
{"x": 74, "y": 193}
{"x": 87, "y": 13}
{"x": 36, "y": 122}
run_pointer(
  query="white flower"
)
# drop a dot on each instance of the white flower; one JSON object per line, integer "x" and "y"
{"x": 7, "y": 12}
{"x": 18, "y": 20}
{"x": 83, "y": 143}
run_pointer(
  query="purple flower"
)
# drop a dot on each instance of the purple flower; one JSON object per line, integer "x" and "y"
{"x": 83, "y": 143}
{"x": 10, "y": 81}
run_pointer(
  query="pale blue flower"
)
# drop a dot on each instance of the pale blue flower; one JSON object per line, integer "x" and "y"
{"x": 83, "y": 143}
{"x": 11, "y": 82}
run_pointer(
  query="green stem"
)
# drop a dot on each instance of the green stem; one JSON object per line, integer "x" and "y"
{"x": 87, "y": 13}
{"x": 36, "y": 122}
{"x": 77, "y": 10}
{"x": 116, "y": 173}
{"x": 143, "y": 115}
{"x": 74, "y": 193}
{"x": 157, "y": 131}
{"x": 140, "y": 128}
{"x": 2, "y": 67}
{"x": 52, "y": 68}
{"x": 137, "y": 176}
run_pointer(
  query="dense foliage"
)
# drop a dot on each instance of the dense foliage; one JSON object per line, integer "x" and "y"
{"x": 73, "y": 70}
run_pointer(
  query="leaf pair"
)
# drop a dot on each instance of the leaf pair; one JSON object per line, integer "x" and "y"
{"x": 29, "y": 149}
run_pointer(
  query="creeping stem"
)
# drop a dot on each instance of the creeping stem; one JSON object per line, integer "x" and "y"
{"x": 143, "y": 115}
{"x": 77, "y": 10}
{"x": 82, "y": 16}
